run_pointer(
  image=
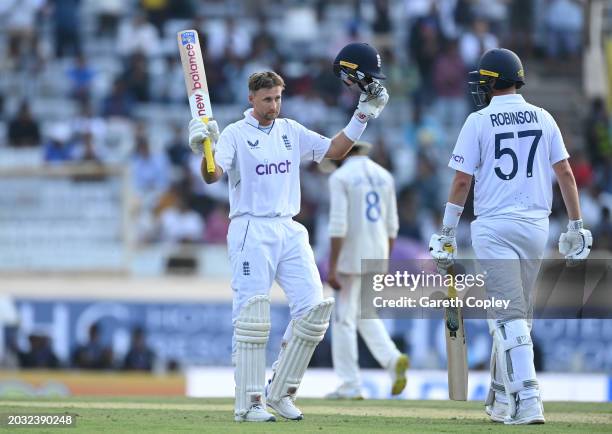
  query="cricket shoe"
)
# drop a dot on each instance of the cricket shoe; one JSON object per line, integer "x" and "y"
{"x": 257, "y": 413}
{"x": 286, "y": 408}
{"x": 529, "y": 411}
{"x": 345, "y": 393}
{"x": 498, "y": 411}
{"x": 398, "y": 374}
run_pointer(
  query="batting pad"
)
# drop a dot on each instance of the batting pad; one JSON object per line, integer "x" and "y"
{"x": 515, "y": 358}
{"x": 252, "y": 329}
{"x": 307, "y": 332}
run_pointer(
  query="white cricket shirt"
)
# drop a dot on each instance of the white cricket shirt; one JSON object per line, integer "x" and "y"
{"x": 363, "y": 211}
{"x": 509, "y": 148}
{"x": 264, "y": 167}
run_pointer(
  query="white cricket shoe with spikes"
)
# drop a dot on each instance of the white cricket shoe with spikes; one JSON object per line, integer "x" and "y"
{"x": 286, "y": 408}
{"x": 257, "y": 413}
{"x": 497, "y": 411}
{"x": 529, "y": 411}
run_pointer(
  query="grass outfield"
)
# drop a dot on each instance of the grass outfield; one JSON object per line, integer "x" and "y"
{"x": 165, "y": 415}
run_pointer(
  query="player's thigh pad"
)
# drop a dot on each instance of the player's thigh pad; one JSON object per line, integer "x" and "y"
{"x": 307, "y": 332}
{"x": 251, "y": 329}
{"x": 508, "y": 336}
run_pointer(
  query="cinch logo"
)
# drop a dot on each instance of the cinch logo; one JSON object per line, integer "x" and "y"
{"x": 273, "y": 168}
{"x": 457, "y": 158}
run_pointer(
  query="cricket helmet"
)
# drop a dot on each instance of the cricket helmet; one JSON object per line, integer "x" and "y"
{"x": 358, "y": 63}
{"x": 499, "y": 68}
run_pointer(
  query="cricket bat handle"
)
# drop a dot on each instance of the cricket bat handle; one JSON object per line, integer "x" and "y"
{"x": 210, "y": 161}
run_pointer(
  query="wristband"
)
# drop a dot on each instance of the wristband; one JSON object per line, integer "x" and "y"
{"x": 354, "y": 129}
{"x": 452, "y": 213}
{"x": 575, "y": 225}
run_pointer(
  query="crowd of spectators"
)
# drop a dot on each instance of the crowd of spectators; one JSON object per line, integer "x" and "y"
{"x": 116, "y": 64}
{"x": 96, "y": 353}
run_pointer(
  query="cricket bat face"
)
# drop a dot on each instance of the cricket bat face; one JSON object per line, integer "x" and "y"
{"x": 195, "y": 77}
{"x": 456, "y": 354}
{"x": 456, "y": 350}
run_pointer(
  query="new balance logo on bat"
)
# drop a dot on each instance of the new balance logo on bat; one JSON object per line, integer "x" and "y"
{"x": 201, "y": 105}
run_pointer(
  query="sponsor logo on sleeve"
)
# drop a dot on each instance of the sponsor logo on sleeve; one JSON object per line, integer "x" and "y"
{"x": 457, "y": 158}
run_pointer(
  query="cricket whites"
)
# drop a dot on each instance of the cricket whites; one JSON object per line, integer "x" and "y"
{"x": 456, "y": 350}
{"x": 195, "y": 82}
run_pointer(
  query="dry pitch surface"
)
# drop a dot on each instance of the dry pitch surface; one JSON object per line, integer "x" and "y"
{"x": 170, "y": 415}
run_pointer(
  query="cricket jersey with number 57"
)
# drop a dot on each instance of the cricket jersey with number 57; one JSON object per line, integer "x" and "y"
{"x": 263, "y": 164}
{"x": 510, "y": 147}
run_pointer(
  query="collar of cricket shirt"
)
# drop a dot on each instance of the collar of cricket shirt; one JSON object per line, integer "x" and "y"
{"x": 250, "y": 119}
{"x": 505, "y": 99}
{"x": 356, "y": 158}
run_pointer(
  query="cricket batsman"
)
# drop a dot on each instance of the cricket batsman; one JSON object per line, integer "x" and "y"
{"x": 509, "y": 147}
{"x": 363, "y": 223}
{"x": 261, "y": 155}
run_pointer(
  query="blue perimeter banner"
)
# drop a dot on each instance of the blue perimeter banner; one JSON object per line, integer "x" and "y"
{"x": 201, "y": 334}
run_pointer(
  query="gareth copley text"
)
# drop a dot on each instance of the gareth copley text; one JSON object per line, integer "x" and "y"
{"x": 408, "y": 302}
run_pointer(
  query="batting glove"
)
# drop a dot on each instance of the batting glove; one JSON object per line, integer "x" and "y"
{"x": 576, "y": 243}
{"x": 198, "y": 131}
{"x": 443, "y": 249}
{"x": 372, "y": 102}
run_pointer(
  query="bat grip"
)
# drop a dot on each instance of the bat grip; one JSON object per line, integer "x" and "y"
{"x": 452, "y": 292}
{"x": 210, "y": 162}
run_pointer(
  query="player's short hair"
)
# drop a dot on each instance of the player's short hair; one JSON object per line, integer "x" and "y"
{"x": 265, "y": 80}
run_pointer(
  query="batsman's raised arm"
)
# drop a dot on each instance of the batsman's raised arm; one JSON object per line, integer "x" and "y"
{"x": 370, "y": 106}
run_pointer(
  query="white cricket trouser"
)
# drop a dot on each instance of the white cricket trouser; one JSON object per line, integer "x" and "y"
{"x": 346, "y": 322}
{"x": 267, "y": 249}
{"x": 510, "y": 251}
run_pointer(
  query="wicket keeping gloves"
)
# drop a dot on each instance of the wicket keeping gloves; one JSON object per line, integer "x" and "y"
{"x": 576, "y": 243}
{"x": 372, "y": 102}
{"x": 198, "y": 131}
{"x": 443, "y": 249}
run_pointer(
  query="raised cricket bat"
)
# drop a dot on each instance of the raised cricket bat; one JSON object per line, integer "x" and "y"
{"x": 456, "y": 350}
{"x": 197, "y": 88}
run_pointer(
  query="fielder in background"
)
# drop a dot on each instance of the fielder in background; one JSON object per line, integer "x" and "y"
{"x": 509, "y": 147}
{"x": 262, "y": 154}
{"x": 363, "y": 223}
